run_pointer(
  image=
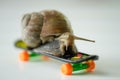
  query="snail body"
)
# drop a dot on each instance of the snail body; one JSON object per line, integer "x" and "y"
{"x": 46, "y": 26}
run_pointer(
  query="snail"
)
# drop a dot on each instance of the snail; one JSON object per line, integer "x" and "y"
{"x": 45, "y": 26}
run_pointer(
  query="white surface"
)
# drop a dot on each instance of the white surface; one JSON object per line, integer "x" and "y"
{"x": 92, "y": 19}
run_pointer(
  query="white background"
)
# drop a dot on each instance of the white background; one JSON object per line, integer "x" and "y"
{"x": 92, "y": 19}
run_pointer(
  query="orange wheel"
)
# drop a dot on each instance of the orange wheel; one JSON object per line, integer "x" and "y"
{"x": 91, "y": 65}
{"x": 67, "y": 69}
{"x": 24, "y": 56}
{"x": 45, "y": 57}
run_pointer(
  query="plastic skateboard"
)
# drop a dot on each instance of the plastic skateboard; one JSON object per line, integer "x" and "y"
{"x": 81, "y": 61}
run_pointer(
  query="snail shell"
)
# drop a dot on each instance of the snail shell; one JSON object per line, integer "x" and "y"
{"x": 44, "y": 26}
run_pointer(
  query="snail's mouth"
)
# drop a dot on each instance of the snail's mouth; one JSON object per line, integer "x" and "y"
{"x": 54, "y": 49}
{"x": 69, "y": 53}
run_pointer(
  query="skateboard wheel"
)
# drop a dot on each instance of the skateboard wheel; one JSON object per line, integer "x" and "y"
{"x": 67, "y": 69}
{"x": 24, "y": 55}
{"x": 44, "y": 57}
{"x": 91, "y": 65}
